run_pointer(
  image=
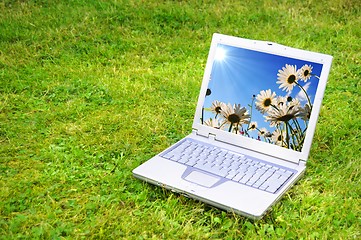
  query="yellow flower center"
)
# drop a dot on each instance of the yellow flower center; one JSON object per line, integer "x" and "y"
{"x": 286, "y": 118}
{"x": 306, "y": 73}
{"x": 267, "y": 102}
{"x": 233, "y": 118}
{"x": 291, "y": 79}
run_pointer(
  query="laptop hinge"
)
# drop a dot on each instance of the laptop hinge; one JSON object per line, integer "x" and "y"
{"x": 200, "y": 133}
{"x": 212, "y": 136}
{"x": 302, "y": 162}
{"x": 206, "y": 134}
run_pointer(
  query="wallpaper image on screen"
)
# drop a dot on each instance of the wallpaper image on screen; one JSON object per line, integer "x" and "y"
{"x": 261, "y": 96}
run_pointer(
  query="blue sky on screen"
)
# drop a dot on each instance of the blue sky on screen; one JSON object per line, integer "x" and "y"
{"x": 238, "y": 74}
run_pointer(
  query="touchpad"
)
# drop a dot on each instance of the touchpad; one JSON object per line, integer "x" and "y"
{"x": 202, "y": 179}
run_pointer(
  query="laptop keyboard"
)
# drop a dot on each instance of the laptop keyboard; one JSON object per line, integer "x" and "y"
{"x": 230, "y": 165}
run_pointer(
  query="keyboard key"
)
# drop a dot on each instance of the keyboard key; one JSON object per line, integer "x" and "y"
{"x": 226, "y": 165}
{"x": 252, "y": 169}
{"x": 231, "y": 174}
{"x": 265, "y": 176}
{"x": 238, "y": 177}
{"x": 192, "y": 160}
{"x": 246, "y": 178}
{"x": 223, "y": 172}
{"x": 168, "y": 155}
{"x": 273, "y": 187}
{"x": 257, "y": 184}
{"x": 263, "y": 187}
{"x": 182, "y": 160}
{"x": 177, "y": 158}
{"x": 235, "y": 165}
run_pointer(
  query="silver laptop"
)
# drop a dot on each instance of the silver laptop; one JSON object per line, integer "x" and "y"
{"x": 252, "y": 130}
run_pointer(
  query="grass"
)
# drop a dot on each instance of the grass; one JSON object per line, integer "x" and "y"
{"x": 91, "y": 89}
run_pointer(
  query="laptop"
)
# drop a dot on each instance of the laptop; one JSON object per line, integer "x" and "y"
{"x": 252, "y": 130}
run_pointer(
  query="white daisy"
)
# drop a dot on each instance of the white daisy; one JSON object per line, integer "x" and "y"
{"x": 293, "y": 102}
{"x": 278, "y": 137}
{"x": 253, "y": 126}
{"x": 216, "y": 107}
{"x": 263, "y": 132}
{"x": 265, "y": 99}
{"x": 284, "y": 113}
{"x": 287, "y": 77}
{"x": 306, "y": 112}
{"x": 281, "y": 101}
{"x": 304, "y": 73}
{"x": 212, "y": 123}
{"x": 235, "y": 115}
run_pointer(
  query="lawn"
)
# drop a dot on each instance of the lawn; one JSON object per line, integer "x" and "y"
{"x": 91, "y": 89}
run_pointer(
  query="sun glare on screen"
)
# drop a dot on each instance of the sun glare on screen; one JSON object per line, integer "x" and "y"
{"x": 220, "y": 54}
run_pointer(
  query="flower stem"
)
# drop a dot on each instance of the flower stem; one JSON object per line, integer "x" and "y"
{"x": 304, "y": 91}
{"x": 275, "y": 107}
{"x": 287, "y": 135}
{"x": 250, "y": 111}
{"x": 230, "y": 127}
{"x": 299, "y": 133}
{"x": 315, "y": 76}
{"x": 294, "y": 137}
{"x": 298, "y": 127}
{"x": 202, "y": 115}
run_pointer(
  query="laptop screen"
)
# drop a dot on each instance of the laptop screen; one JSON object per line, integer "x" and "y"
{"x": 261, "y": 96}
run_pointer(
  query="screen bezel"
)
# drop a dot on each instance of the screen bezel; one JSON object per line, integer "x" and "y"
{"x": 253, "y": 144}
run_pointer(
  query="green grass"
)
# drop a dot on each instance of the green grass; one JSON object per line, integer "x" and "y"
{"x": 91, "y": 89}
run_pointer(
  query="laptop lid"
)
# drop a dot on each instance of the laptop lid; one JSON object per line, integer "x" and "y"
{"x": 262, "y": 96}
